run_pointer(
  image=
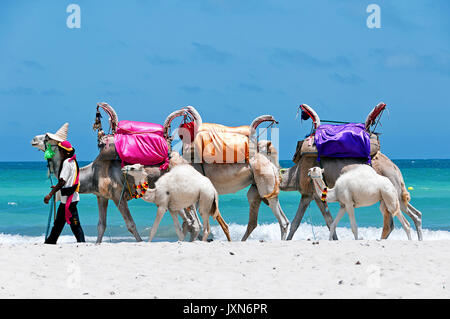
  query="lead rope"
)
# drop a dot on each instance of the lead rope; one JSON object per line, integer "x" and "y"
{"x": 52, "y": 205}
{"x": 310, "y": 215}
{"x": 312, "y": 227}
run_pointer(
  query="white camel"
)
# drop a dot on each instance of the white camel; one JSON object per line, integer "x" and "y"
{"x": 359, "y": 187}
{"x": 180, "y": 188}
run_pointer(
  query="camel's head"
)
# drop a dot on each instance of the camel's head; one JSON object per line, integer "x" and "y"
{"x": 48, "y": 143}
{"x": 42, "y": 142}
{"x": 315, "y": 172}
{"x": 39, "y": 142}
{"x": 136, "y": 170}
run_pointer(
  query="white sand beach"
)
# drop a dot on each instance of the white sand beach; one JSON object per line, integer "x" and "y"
{"x": 253, "y": 269}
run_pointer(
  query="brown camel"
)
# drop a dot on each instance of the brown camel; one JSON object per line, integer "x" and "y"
{"x": 296, "y": 178}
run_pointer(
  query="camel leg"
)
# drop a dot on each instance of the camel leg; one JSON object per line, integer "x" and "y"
{"x": 415, "y": 215}
{"x": 387, "y": 221}
{"x": 191, "y": 222}
{"x": 186, "y": 223}
{"x": 266, "y": 179}
{"x": 326, "y": 214}
{"x": 302, "y": 206}
{"x": 125, "y": 211}
{"x": 351, "y": 214}
{"x": 274, "y": 204}
{"x": 206, "y": 227}
{"x": 406, "y": 226}
{"x": 102, "y": 209}
{"x": 333, "y": 226}
{"x": 388, "y": 225}
{"x": 159, "y": 215}
{"x": 224, "y": 226}
{"x": 254, "y": 201}
{"x": 197, "y": 225}
{"x": 176, "y": 224}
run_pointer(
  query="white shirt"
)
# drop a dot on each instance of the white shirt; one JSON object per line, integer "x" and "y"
{"x": 68, "y": 174}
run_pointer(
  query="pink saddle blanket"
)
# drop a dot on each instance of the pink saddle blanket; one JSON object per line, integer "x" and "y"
{"x": 141, "y": 143}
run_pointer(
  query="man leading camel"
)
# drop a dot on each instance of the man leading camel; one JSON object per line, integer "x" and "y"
{"x": 68, "y": 185}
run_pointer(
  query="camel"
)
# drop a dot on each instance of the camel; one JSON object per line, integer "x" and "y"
{"x": 359, "y": 187}
{"x": 259, "y": 172}
{"x": 104, "y": 178}
{"x": 181, "y": 187}
{"x": 296, "y": 178}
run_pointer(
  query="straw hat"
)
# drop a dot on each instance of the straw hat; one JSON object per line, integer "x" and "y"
{"x": 61, "y": 134}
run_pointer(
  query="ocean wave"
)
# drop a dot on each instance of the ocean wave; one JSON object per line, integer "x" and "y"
{"x": 264, "y": 232}
{"x": 22, "y": 239}
{"x": 271, "y": 232}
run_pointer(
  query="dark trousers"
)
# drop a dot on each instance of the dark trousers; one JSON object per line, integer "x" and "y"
{"x": 60, "y": 221}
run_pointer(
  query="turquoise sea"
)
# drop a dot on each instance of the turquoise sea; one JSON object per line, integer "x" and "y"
{"x": 24, "y": 216}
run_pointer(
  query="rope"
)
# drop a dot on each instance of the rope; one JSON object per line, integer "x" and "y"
{"x": 311, "y": 222}
{"x": 52, "y": 203}
{"x": 49, "y": 218}
{"x": 330, "y": 121}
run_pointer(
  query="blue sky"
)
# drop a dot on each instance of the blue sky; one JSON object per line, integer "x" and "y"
{"x": 231, "y": 59}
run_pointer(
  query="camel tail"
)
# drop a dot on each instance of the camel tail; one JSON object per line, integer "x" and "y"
{"x": 215, "y": 213}
{"x": 406, "y": 197}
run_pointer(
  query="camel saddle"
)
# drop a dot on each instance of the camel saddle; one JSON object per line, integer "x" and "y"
{"x": 141, "y": 143}
{"x": 349, "y": 140}
{"x": 217, "y": 143}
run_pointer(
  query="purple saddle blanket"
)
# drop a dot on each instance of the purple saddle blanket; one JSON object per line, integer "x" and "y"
{"x": 141, "y": 143}
{"x": 348, "y": 140}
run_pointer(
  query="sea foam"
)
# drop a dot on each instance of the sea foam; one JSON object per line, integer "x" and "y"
{"x": 264, "y": 232}
{"x": 271, "y": 232}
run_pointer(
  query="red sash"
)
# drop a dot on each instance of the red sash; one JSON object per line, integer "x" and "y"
{"x": 68, "y": 214}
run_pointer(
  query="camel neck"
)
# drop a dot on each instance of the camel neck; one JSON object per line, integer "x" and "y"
{"x": 321, "y": 189}
{"x": 87, "y": 179}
